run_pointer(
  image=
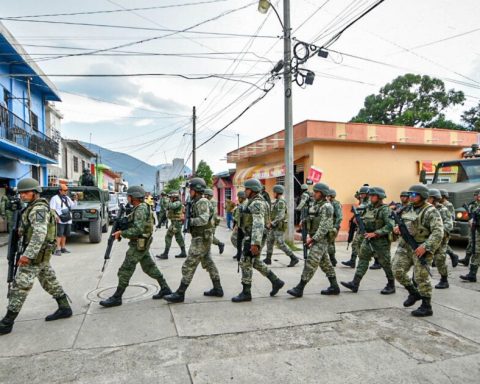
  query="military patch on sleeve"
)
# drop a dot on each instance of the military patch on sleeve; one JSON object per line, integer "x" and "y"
{"x": 40, "y": 216}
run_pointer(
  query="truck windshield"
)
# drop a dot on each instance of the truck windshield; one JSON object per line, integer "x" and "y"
{"x": 461, "y": 172}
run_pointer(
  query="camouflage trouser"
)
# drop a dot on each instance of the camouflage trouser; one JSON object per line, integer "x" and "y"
{"x": 248, "y": 262}
{"x": 9, "y": 219}
{"x": 440, "y": 258}
{"x": 175, "y": 229}
{"x": 475, "y": 261}
{"x": 128, "y": 266}
{"x": 277, "y": 237}
{"x": 199, "y": 252}
{"x": 234, "y": 237}
{"x": 318, "y": 257}
{"x": 215, "y": 241}
{"x": 403, "y": 260}
{"x": 331, "y": 243}
{"x": 381, "y": 250}
{"x": 24, "y": 282}
{"x": 356, "y": 243}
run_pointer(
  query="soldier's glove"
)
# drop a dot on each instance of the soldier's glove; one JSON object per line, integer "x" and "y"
{"x": 255, "y": 249}
{"x": 23, "y": 261}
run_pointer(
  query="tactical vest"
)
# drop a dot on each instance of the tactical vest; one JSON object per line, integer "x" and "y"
{"x": 175, "y": 213}
{"x": 199, "y": 231}
{"x": 275, "y": 207}
{"x": 26, "y": 230}
{"x": 247, "y": 218}
{"x": 371, "y": 218}
{"x": 414, "y": 222}
{"x": 149, "y": 224}
{"x": 313, "y": 220}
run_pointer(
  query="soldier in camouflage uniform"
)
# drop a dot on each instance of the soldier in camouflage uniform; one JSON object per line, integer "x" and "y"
{"x": 216, "y": 220}
{"x": 451, "y": 209}
{"x": 472, "y": 207}
{"x": 175, "y": 215}
{"x": 6, "y": 208}
{"x": 473, "y": 258}
{"x": 319, "y": 225}
{"x": 253, "y": 226}
{"x": 277, "y": 226}
{"x": 337, "y": 222}
{"x": 201, "y": 229}
{"x": 305, "y": 198}
{"x": 140, "y": 229}
{"x": 164, "y": 201}
{"x": 242, "y": 202}
{"x": 440, "y": 255}
{"x": 425, "y": 224}
{"x": 377, "y": 241}
{"x": 38, "y": 235}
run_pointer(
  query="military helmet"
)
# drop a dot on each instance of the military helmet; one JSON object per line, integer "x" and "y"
{"x": 363, "y": 189}
{"x": 304, "y": 187}
{"x": 174, "y": 194}
{"x": 421, "y": 189}
{"x": 279, "y": 189}
{"x": 28, "y": 184}
{"x": 434, "y": 193}
{"x": 197, "y": 184}
{"x": 253, "y": 184}
{"x": 163, "y": 193}
{"x": 332, "y": 193}
{"x": 241, "y": 195}
{"x": 208, "y": 192}
{"x": 404, "y": 194}
{"x": 444, "y": 193}
{"x": 136, "y": 191}
{"x": 321, "y": 187}
{"x": 476, "y": 192}
{"x": 379, "y": 191}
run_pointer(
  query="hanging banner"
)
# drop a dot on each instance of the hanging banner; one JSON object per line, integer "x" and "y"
{"x": 315, "y": 174}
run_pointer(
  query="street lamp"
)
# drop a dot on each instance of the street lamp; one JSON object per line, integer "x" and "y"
{"x": 263, "y": 6}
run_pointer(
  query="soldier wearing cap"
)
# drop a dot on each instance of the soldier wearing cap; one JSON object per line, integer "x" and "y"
{"x": 253, "y": 226}
{"x": 337, "y": 222}
{"x": 139, "y": 233}
{"x": 377, "y": 241}
{"x": 37, "y": 229}
{"x": 319, "y": 225}
{"x": 473, "y": 259}
{"x": 201, "y": 229}
{"x": 425, "y": 225}
{"x": 175, "y": 215}
{"x": 276, "y": 228}
{"x": 237, "y": 218}
{"x": 208, "y": 193}
{"x": 451, "y": 209}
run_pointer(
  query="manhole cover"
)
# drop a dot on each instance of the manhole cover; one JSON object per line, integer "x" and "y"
{"x": 132, "y": 293}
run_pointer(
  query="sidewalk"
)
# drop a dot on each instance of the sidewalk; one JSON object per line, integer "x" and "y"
{"x": 3, "y": 239}
{"x": 357, "y": 338}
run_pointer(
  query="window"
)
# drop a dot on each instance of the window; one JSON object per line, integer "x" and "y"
{"x": 34, "y": 121}
{"x": 75, "y": 164}
{"x": 228, "y": 193}
{"x": 280, "y": 180}
{"x": 83, "y": 164}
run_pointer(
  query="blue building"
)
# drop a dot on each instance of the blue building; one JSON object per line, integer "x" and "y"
{"x": 25, "y": 148}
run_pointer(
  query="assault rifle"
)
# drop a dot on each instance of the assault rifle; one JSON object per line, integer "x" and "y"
{"x": 188, "y": 216}
{"x": 351, "y": 231}
{"x": 408, "y": 238}
{"x": 472, "y": 215}
{"x": 15, "y": 245}
{"x": 361, "y": 226}
{"x": 119, "y": 224}
{"x": 303, "y": 218}
{"x": 240, "y": 234}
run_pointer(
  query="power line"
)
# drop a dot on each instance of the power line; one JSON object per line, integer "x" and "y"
{"x": 311, "y": 16}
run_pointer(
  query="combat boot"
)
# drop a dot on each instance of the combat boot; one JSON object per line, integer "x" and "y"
{"x": 64, "y": 310}
{"x": 298, "y": 290}
{"x": 115, "y": 300}
{"x": 245, "y": 295}
{"x": 351, "y": 263}
{"x": 268, "y": 259}
{"x": 216, "y": 291}
{"x": 164, "y": 255}
{"x": 425, "y": 308}
{"x": 352, "y": 285}
{"x": 389, "y": 288}
{"x": 277, "y": 284}
{"x": 178, "y": 296}
{"x": 413, "y": 296}
{"x": 333, "y": 289}
{"x": 443, "y": 284}
{"x": 6, "y": 324}
{"x": 376, "y": 264}
{"x": 182, "y": 253}
{"x": 221, "y": 248}
{"x": 466, "y": 260}
{"x": 164, "y": 290}
{"x": 471, "y": 276}
{"x": 294, "y": 260}
{"x": 333, "y": 260}
{"x": 454, "y": 258}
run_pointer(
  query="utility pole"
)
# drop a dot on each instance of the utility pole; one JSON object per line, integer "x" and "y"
{"x": 194, "y": 142}
{"x": 287, "y": 78}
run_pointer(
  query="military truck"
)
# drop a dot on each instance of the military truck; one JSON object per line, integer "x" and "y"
{"x": 90, "y": 216}
{"x": 460, "y": 178}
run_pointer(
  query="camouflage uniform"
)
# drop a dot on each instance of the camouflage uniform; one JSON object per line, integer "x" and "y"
{"x": 305, "y": 198}
{"x": 38, "y": 228}
{"x": 472, "y": 207}
{"x": 358, "y": 239}
{"x": 278, "y": 220}
{"x": 139, "y": 233}
{"x": 337, "y": 221}
{"x": 236, "y": 218}
{"x": 440, "y": 255}
{"x": 216, "y": 221}
{"x": 6, "y": 212}
{"x": 164, "y": 201}
{"x": 174, "y": 214}
{"x": 425, "y": 224}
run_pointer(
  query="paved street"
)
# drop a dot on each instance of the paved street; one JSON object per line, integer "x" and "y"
{"x": 357, "y": 338}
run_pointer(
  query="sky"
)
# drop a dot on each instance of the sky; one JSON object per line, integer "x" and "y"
{"x": 150, "y": 116}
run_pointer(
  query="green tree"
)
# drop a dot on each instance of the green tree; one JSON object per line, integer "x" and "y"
{"x": 205, "y": 172}
{"x": 412, "y": 100}
{"x": 173, "y": 185}
{"x": 471, "y": 118}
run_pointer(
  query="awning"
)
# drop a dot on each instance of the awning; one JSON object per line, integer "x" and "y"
{"x": 270, "y": 171}
{"x": 244, "y": 174}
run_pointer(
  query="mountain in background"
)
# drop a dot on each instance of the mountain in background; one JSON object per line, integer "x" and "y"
{"x": 134, "y": 171}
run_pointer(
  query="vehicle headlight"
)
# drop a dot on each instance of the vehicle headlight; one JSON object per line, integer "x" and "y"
{"x": 92, "y": 211}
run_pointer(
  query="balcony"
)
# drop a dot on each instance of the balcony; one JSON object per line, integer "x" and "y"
{"x": 19, "y": 132}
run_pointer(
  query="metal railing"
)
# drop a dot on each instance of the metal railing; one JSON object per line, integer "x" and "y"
{"x": 18, "y": 131}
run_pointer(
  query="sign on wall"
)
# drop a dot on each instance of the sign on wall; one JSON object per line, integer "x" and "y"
{"x": 314, "y": 174}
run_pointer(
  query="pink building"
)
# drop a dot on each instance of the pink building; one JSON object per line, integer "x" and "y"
{"x": 224, "y": 189}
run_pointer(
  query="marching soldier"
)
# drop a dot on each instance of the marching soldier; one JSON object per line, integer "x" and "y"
{"x": 377, "y": 241}
{"x": 164, "y": 201}
{"x": 276, "y": 228}
{"x": 337, "y": 222}
{"x": 473, "y": 258}
{"x": 237, "y": 212}
{"x": 304, "y": 199}
{"x": 139, "y": 232}
{"x": 201, "y": 229}
{"x": 253, "y": 222}
{"x": 451, "y": 209}
{"x": 216, "y": 220}
{"x": 440, "y": 255}
{"x": 38, "y": 231}
{"x": 6, "y": 209}
{"x": 425, "y": 224}
{"x": 472, "y": 207}
{"x": 319, "y": 224}
{"x": 175, "y": 215}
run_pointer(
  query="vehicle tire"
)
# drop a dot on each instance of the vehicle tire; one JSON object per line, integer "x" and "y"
{"x": 95, "y": 231}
